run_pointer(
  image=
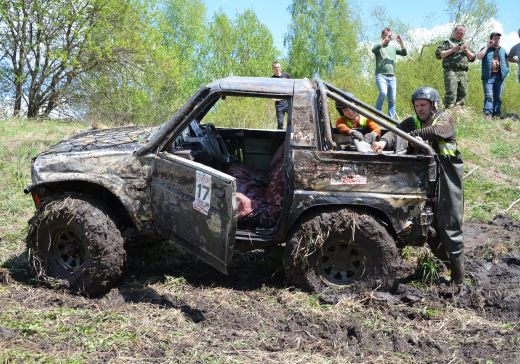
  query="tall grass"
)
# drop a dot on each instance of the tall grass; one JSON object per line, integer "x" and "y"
{"x": 491, "y": 154}
{"x": 20, "y": 140}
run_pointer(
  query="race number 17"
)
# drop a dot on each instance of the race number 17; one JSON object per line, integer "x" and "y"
{"x": 202, "y": 200}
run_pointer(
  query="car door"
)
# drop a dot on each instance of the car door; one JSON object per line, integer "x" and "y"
{"x": 195, "y": 205}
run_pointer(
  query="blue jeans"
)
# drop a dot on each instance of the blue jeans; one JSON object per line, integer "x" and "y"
{"x": 386, "y": 85}
{"x": 493, "y": 88}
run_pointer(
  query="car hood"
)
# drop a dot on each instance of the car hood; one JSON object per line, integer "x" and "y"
{"x": 121, "y": 139}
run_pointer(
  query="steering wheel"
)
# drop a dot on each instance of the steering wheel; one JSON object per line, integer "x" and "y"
{"x": 215, "y": 145}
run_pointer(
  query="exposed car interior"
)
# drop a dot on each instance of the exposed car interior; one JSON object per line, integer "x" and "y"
{"x": 253, "y": 156}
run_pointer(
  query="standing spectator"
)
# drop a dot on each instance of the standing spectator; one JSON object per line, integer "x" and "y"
{"x": 281, "y": 105}
{"x": 494, "y": 72}
{"x": 385, "y": 70}
{"x": 455, "y": 55}
{"x": 514, "y": 55}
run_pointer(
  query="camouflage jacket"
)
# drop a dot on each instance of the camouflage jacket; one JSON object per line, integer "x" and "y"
{"x": 454, "y": 62}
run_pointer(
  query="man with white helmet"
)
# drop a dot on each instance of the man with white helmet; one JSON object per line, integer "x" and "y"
{"x": 438, "y": 129}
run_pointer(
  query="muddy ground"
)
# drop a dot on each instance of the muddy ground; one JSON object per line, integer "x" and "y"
{"x": 172, "y": 308}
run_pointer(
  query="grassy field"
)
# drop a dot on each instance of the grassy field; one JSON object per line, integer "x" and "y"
{"x": 169, "y": 310}
{"x": 491, "y": 155}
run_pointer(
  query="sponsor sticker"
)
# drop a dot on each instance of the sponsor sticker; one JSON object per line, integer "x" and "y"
{"x": 355, "y": 179}
{"x": 202, "y": 201}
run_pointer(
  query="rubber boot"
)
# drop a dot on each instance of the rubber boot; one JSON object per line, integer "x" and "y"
{"x": 457, "y": 270}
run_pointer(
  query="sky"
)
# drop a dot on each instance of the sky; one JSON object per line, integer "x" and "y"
{"x": 418, "y": 14}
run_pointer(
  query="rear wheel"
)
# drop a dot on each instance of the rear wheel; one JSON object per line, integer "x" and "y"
{"x": 340, "y": 248}
{"x": 73, "y": 242}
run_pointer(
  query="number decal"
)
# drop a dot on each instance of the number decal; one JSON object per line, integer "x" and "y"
{"x": 202, "y": 200}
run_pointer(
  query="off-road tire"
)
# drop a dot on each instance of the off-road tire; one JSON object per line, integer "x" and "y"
{"x": 73, "y": 242}
{"x": 321, "y": 253}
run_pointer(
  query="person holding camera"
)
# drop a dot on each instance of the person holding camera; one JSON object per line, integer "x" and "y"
{"x": 385, "y": 70}
{"x": 455, "y": 55}
{"x": 494, "y": 72}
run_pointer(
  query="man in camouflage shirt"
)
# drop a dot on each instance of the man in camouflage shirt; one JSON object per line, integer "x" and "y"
{"x": 455, "y": 55}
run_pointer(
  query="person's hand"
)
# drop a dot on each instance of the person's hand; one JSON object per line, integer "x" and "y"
{"x": 465, "y": 47}
{"x": 378, "y": 146}
{"x": 456, "y": 48}
{"x": 399, "y": 39}
{"x": 356, "y": 134}
{"x": 490, "y": 43}
{"x": 387, "y": 39}
{"x": 370, "y": 137}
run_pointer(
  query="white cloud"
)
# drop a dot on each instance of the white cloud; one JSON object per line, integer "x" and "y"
{"x": 421, "y": 36}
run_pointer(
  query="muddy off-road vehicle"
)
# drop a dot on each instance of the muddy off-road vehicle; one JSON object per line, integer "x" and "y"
{"x": 342, "y": 214}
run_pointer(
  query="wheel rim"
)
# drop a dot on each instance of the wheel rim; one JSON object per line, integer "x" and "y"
{"x": 341, "y": 262}
{"x": 68, "y": 249}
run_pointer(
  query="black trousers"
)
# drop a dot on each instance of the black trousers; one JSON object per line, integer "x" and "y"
{"x": 282, "y": 108}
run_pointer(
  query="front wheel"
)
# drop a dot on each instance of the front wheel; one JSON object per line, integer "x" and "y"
{"x": 339, "y": 248}
{"x": 73, "y": 242}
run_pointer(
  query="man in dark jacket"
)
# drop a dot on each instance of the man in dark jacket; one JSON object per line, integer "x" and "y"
{"x": 494, "y": 71}
{"x": 281, "y": 105}
{"x": 438, "y": 129}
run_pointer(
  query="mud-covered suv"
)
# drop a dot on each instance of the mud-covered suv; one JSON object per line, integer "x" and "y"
{"x": 206, "y": 183}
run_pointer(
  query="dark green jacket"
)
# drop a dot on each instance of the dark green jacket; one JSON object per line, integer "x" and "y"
{"x": 454, "y": 62}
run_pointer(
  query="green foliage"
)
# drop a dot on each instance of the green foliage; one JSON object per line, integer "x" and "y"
{"x": 20, "y": 140}
{"x": 255, "y": 49}
{"x": 428, "y": 268}
{"x": 322, "y": 36}
{"x": 474, "y": 15}
{"x": 243, "y": 112}
{"x": 243, "y": 47}
{"x": 218, "y": 49}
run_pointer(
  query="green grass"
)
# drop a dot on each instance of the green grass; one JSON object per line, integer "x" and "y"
{"x": 20, "y": 140}
{"x": 490, "y": 151}
{"x": 53, "y": 327}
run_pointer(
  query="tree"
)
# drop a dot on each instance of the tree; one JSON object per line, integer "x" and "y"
{"x": 474, "y": 15}
{"x": 322, "y": 36}
{"x": 243, "y": 47}
{"x": 50, "y": 45}
{"x": 219, "y": 47}
{"x": 255, "y": 50}
{"x": 184, "y": 30}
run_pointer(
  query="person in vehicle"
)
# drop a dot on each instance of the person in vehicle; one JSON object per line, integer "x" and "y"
{"x": 356, "y": 126}
{"x": 438, "y": 129}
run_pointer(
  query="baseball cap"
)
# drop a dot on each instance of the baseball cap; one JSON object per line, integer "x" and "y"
{"x": 495, "y": 34}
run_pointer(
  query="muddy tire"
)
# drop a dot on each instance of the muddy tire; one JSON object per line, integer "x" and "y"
{"x": 339, "y": 249}
{"x": 72, "y": 242}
